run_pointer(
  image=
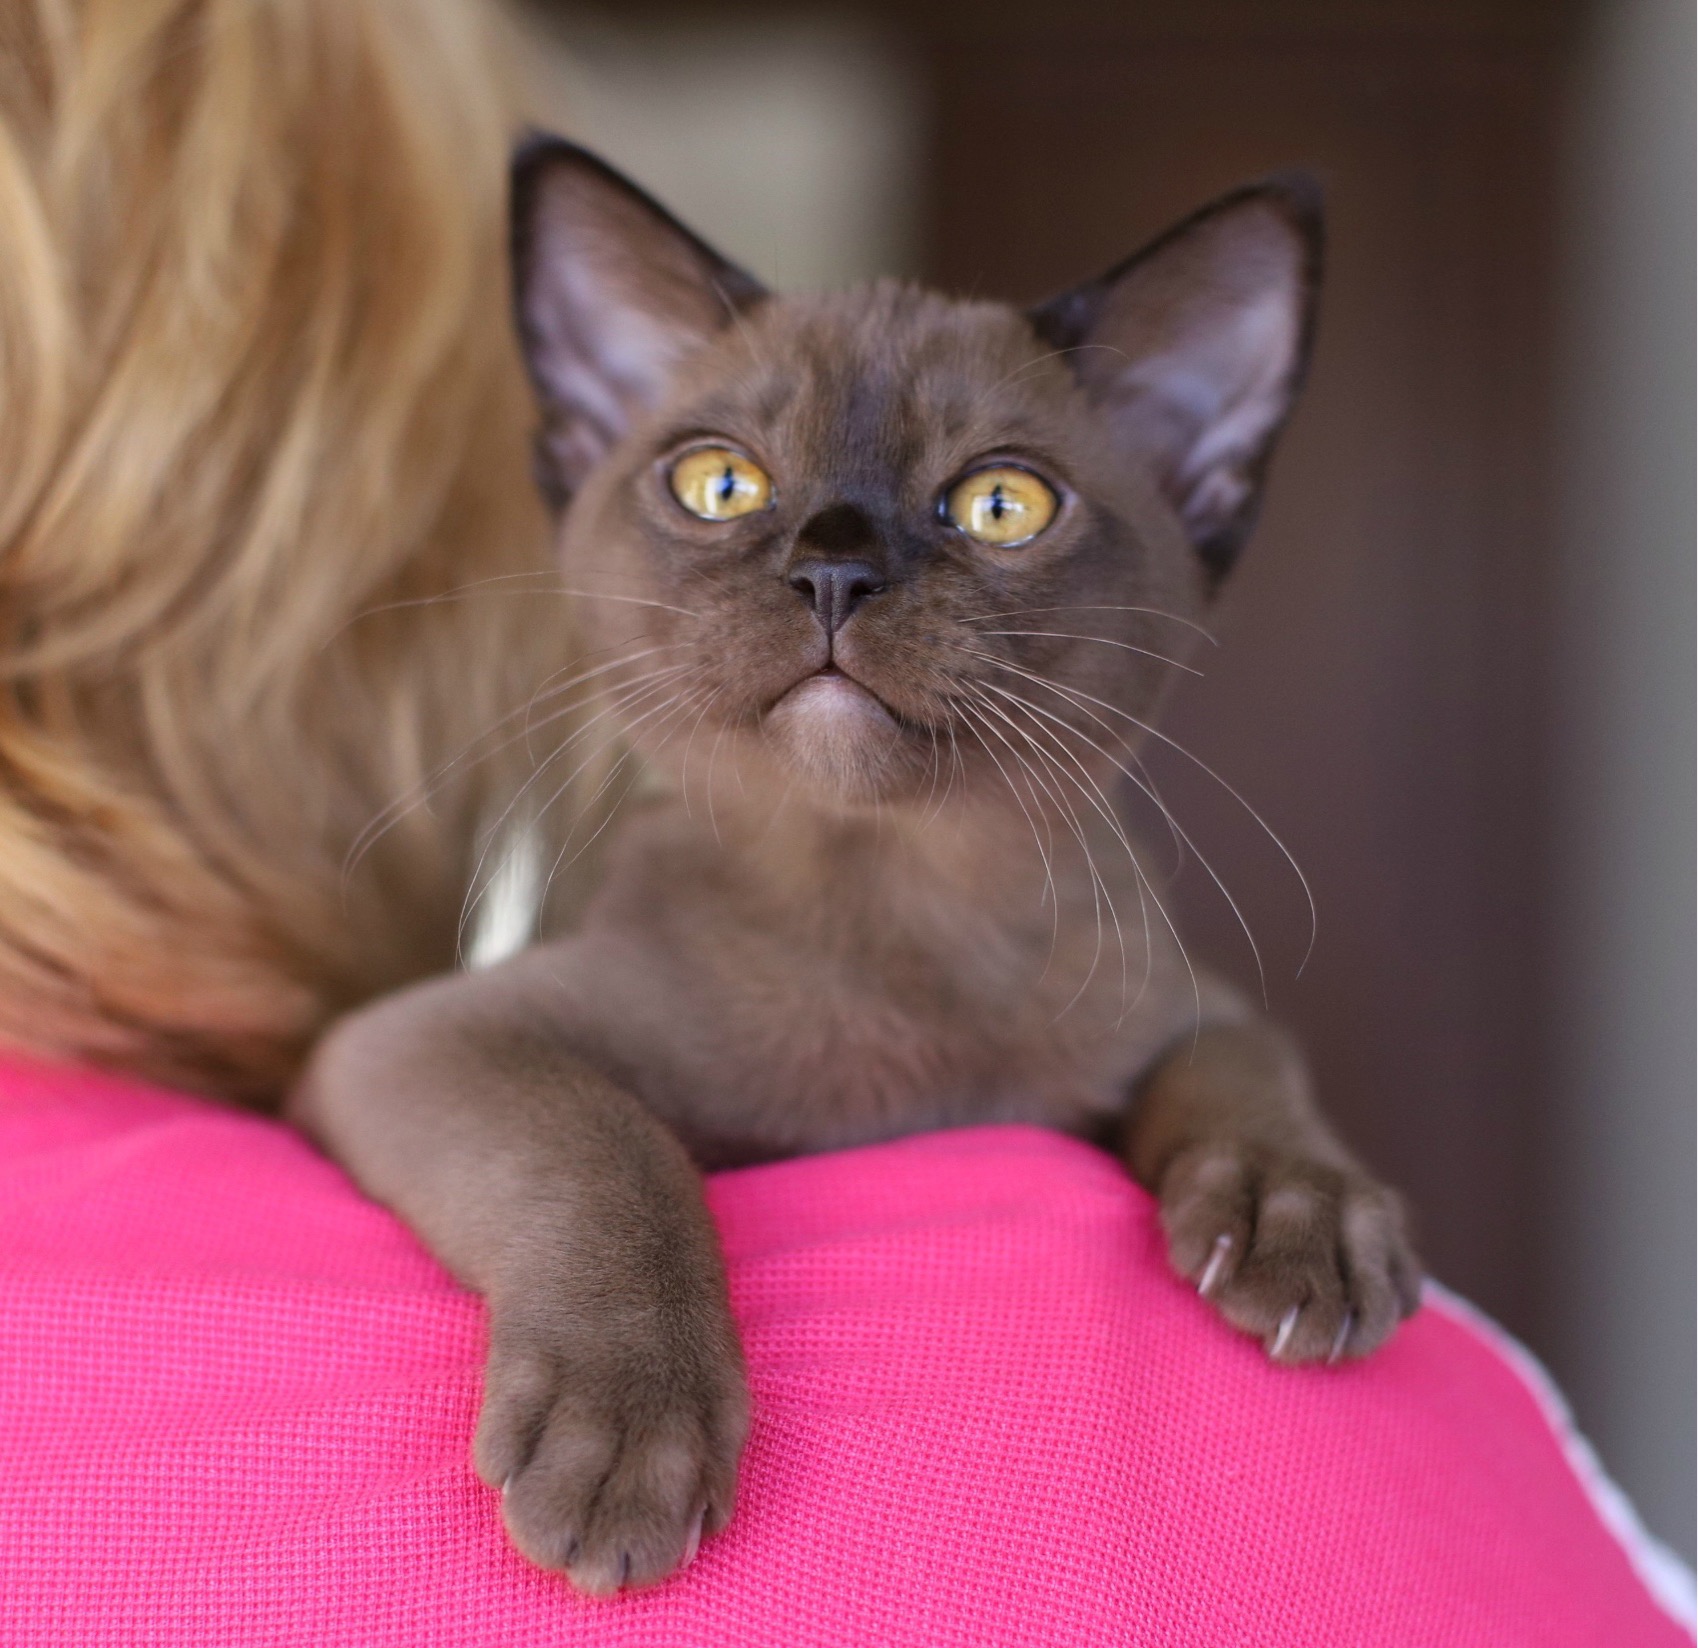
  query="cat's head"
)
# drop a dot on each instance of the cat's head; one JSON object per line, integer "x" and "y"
{"x": 880, "y": 540}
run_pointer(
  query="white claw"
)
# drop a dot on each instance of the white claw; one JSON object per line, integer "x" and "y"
{"x": 508, "y": 1483}
{"x": 694, "y": 1543}
{"x": 1342, "y": 1338}
{"x": 1287, "y": 1327}
{"x": 1217, "y": 1263}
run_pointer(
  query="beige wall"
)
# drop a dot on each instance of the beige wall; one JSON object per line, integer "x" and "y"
{"x": 793, "y": 144}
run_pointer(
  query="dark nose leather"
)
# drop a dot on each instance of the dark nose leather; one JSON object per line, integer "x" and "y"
{"x": 835, "y": 588}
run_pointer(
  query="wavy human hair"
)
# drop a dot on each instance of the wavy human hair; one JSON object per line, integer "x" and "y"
{"x": 264, "y": 507}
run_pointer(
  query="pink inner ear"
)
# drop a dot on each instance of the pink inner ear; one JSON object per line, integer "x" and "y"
{"x": 1195, "y": 349}
{"x": 611, "y": 292}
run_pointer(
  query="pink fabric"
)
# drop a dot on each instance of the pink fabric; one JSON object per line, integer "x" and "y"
{"x": 236, "y": 1402}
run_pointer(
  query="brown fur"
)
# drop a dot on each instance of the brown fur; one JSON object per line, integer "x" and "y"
{"x": 888, "y": 889}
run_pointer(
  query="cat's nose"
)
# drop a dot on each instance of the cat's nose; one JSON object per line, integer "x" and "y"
{"x": 835, "y": 588}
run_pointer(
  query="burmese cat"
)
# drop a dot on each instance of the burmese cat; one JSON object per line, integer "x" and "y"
{"x": 887, "y": 584}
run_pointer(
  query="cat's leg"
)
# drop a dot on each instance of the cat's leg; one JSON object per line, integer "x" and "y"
{"x": 614, "y": 1405}
{"x": 1264, "y": 1209}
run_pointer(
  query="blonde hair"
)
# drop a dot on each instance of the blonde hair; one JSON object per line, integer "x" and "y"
{"x": 261, "y": 417}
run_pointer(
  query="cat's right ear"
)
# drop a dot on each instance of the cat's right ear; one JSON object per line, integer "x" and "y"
{"x": 610, "y": 292}
{"x": 1194, "y": 350}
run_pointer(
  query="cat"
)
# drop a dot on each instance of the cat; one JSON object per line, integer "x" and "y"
{"x": 888, "y": 586}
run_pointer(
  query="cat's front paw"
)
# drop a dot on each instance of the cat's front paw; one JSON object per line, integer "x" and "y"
{"x": 614, "y": 1442}
{"x": 1308, "y": 1256}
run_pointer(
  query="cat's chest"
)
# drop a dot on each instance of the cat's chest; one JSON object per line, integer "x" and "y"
{"x": 855, "y": 1010}
{"x": 783, "y": 1046}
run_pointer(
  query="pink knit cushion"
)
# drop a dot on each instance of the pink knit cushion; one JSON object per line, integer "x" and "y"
{"x": 236, "y": 1402}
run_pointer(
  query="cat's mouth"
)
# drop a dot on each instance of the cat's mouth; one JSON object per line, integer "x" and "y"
{"x": 832, "y": 695}
{"x": 836, "y": 733}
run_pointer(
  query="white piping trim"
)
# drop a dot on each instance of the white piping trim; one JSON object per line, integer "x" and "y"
{"x": 1670, "y": 1582}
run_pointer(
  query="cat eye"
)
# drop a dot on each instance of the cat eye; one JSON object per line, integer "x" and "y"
{"x": 718, "y": 484}
{"x": 1003, "y": 505}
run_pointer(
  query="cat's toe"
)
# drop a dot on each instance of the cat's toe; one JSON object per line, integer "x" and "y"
{"x": 612, "y": 1467}
{"x": 1308, "y": 1257}
{"x": 1207, "y": 1208}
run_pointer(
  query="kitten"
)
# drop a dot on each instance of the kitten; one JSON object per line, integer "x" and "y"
{"x": 889, "y": 585}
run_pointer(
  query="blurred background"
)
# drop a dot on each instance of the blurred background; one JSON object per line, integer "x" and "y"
{"x": 1455, "y": 672}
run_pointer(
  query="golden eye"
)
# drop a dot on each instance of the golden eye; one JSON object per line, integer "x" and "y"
{"x": 1001, "y": 506}
{"x": 718, "y": 484}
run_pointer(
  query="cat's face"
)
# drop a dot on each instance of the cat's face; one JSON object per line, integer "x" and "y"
{"x": 883, "y": 545}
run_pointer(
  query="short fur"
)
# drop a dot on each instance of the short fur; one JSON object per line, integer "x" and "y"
{"x": 260, "y": 426}
{"x": 888, "y": 889}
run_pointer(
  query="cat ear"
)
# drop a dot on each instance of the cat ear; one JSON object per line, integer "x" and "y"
{"x": 610, "y": 291}
{"x": 1196, "y": 347}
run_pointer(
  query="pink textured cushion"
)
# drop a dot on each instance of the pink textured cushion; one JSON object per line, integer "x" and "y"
{"x": 236, "y": 1402}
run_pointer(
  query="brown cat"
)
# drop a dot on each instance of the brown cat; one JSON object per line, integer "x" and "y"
{"x": 889, "y": 587}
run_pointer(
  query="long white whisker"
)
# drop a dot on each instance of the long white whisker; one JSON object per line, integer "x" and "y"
{"x": 1101, "y": 803}
{"x": 479, "y": 587}
{"x": 689, "y": 744}
{"x": 533, "y": 726}
{"x": 630, "y": 601}
{"x": 1032, "y": 612}
{"x": 1079, "y": 698}
{"x": 1232, "y": 903}
{"x": 624, "y": 699}
{"x": 1102, "y": 640}
{"x": 673, "y": 707}
{"x": 1099, "y": 888}
{"x": 1054, "y": 354}
{"x": 713, "y": 761}
{"x": 1050, "y": 890}
{"x": 398, "y": 809}
{"x": 1104, "y": 806}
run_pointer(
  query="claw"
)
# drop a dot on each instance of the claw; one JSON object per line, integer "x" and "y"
{"x": 694, "y": 1543}
{"x": 1342, "y": 1337}
{"x": 1217, "y": 1263}
{"x": 1287, "y": 1327}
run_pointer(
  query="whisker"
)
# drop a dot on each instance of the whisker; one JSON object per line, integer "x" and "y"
{"x": 554, "y": 694}
{"x": 1105, "y": 808}
{"x": 674, "y": 707}
{"x": 1099, "y": 887}
{"x": 479, "y": 586}
{"x": 630, "y": 601}
{"x": 623, "y": 700}
{"x": 713, "y": 758}
{"x": 1067, "y": 726}
{"x": 1050, "y": 890}
{"x": 1173, "y": 824}
{"x": 1124, "y": 646}
{"x": 1054, "y": 354}
{"x": 1143, "y": 780}
{"x": 391, "y": 815}
{"x": 1032, "y": 612}
{"x": 1096, "y": 901}
{"x": 1079, "y": 698}
{"x": 689, "y": 744}
{"x": 1147, "y": 785}
{"x": 458, "y": 592}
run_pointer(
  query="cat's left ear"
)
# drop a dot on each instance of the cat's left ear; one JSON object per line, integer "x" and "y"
{"x": 1196, "y": 347}
{"x": 610, "y": 292}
